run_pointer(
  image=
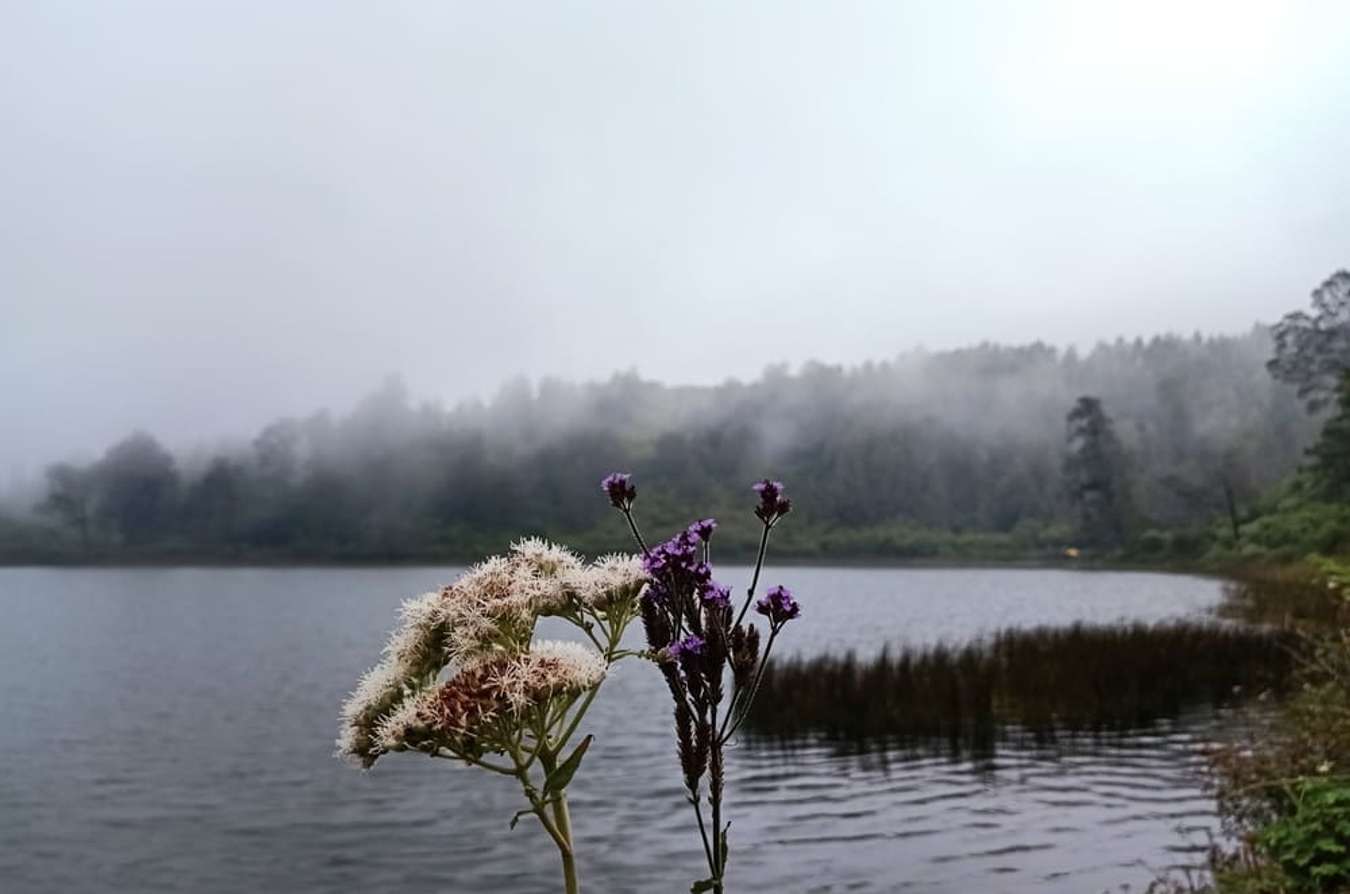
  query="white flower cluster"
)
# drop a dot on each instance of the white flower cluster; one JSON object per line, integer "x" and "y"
{"x": 549, "y": 668}
{"x": 615, "y": 580}
{"x": 461, "y": 713}
{"x": 488, "y": 613}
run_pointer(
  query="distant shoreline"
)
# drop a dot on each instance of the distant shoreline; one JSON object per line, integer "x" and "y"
{"x": 933, "y": 563}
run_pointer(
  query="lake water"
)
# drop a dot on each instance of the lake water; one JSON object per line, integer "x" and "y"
{"x": 171, "y": 730}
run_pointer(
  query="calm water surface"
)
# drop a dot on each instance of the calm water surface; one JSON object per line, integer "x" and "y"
{"x": 171, "y": 730}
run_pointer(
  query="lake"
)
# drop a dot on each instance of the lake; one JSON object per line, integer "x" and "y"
{"x": 172, "y": 730}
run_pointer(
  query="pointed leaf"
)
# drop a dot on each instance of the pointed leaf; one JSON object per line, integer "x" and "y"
{"x": 560, "y": 777}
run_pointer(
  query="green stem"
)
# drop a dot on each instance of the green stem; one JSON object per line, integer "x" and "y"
{"x": 562, "y": 824}
{"x": 740, "y": 708}
{"x": 563, "y": 820}
{"x": 486, "y": 765}
{"x": 715, "y": 794}
{"x": 703, "y": 832}
{"x": 759, "y": 566}
{"x": 637, "y": 535}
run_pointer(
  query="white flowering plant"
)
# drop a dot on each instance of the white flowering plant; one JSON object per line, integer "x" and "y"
{"x": 462, "y": 677}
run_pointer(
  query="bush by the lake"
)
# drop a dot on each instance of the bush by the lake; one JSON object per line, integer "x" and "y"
{"x": 1284, "y": 785}
{"x": 463, "y": 679}
{"x": 696, "y": 636}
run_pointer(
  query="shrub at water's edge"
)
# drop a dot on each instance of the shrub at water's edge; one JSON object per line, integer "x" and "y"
{"x": 1284, "y": 789}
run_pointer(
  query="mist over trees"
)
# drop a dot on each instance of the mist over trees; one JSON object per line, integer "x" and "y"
{"x": 899, "y": 458}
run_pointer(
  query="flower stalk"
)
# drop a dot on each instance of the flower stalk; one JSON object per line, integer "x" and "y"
{"x": 463, "y": 679}
{"x": 692, "y": 638}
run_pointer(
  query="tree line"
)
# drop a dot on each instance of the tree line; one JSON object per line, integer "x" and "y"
{"x": 987, "y": 450}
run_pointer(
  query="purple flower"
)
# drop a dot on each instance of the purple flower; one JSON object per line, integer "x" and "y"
{"x": 778, "y": 606}
{"x": 768, "y": 490}
{"x": 773, "y": 504}
{"x": 686, "y": 541}
{"x": 677, "y": 557}
{"x": 690, "y": 645}
{"x": 655, "y": 562}
{"x": 618, "y": 486}
{"x": 687, "y": 652}
{"x": 703, "y": 528}
{"x": 716, "y": 596}
{"x": 658, "y": 593}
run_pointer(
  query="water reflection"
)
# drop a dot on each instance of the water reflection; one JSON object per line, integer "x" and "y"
{"x": 1033, "y": 687}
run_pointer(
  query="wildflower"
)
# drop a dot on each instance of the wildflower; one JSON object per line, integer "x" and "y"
{"x": 676, "y": 562}
{"x": 690, "y": 645}
{"x": 490, "y": 609}
{"x": 744, "y": 647}
{"x": 544, "y": 558}
{"x": 417, "y": 647}
{"x": 549, "y": 668}
{"x": 715, "y": 595}
{"x": 688, "y": 653}
{"x": 703, "y": 528}
{"x": 778, "y": 606}
{"x": 773, "y": 504}
{"x": 502, "y": 687}
{"x": 680, "y": 583}
{"x": 613, "y": 581}
{"x": 619, "y": 487}
{"x": 655, "y": 621}
{"x": 379, "y": 691}
{"x": 475, "y": 710}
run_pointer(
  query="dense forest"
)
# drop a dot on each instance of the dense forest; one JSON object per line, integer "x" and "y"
{"x": 988, "y": 452}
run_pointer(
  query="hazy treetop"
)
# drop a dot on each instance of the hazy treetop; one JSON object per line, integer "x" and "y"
{"x": 216, "y": 213}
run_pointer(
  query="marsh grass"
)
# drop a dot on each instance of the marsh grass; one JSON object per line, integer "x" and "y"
{"x": 1294, "y": 597}
{"x": 1036, "y": 685}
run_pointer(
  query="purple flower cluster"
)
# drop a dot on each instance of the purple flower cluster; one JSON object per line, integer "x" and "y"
{"x": 677, "y": 565}
{"x": 778, "y": 606}
{"x": 620, "y": 489}
{"x": 703, "y": 528}
{"x": 716, "y": 596}
{"x": 773, "y": 504}
{"x": 694, "y": 634}
{"x": 692, "y": 646}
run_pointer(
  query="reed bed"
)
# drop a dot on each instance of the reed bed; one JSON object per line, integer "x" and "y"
{"x": 1042, "y": 683}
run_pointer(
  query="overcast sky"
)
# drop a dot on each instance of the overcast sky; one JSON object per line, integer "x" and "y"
{"x": 212, "y": 214}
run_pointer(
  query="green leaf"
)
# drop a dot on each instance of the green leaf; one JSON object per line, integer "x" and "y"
{"x": 519, "y": 813}
{"x": 706, "y": 885}
{"x": 558, "y": 779}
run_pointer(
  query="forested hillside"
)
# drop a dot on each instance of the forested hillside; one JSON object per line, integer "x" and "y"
{"x": 931, "y": 453}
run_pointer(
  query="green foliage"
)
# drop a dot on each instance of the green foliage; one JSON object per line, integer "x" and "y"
{"x": 1331, "y": 454}
{"x": 1295, "y": 524}
{"x": 1312, "y": 843}
{"x": 1283, "y": 789}
{"x": 559, "y": 779}
{"x": 1312, "y": 349}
